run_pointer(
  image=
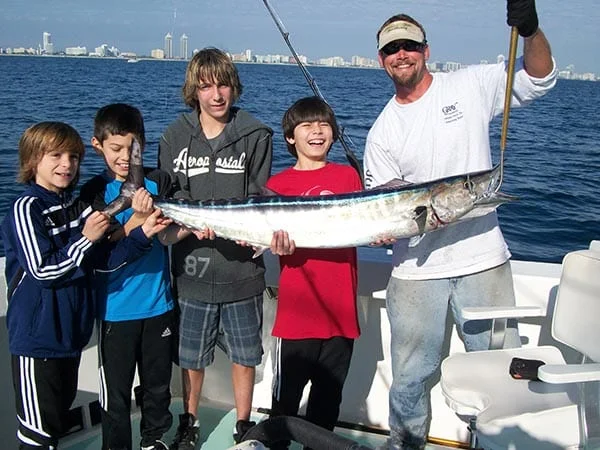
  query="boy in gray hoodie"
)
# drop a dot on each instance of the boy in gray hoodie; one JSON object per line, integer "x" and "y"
{"x": 216, "y": 151}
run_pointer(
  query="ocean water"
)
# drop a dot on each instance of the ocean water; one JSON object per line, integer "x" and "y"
{"x": 552, "y": 160}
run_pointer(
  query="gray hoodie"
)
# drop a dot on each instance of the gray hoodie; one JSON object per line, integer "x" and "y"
{"x": 216, "y": 271}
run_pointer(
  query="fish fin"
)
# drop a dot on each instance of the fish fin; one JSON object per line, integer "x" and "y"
{"x": 421, "y": 218}
{"x": 134, "y": 180}
{"x": 394, "y": 183}
{"x": 259, "y": 251}
{"x": 414, "y": 241}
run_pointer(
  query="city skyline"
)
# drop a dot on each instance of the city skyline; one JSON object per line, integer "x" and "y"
{"x": 467, "y": 31}
{"x": 248, "y": 55}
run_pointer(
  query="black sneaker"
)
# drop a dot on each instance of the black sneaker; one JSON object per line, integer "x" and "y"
{"x": 158, "y": 445}
{"x": 241, "y": 428}
{"x": 187, "y": 433}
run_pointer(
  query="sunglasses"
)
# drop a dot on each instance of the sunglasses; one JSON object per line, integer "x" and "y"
{"x": 408, "y": 46}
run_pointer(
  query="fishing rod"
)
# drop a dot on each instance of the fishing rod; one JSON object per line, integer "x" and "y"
{"x": 350, "y": 156}
{"x": 510, "y": 76}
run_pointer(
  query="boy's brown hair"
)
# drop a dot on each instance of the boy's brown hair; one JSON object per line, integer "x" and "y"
{"x": 213, "y": 66}
{"x": 307, "y": 109}
{"x": 119, "y": 119}
{"x": 46, "y": 137}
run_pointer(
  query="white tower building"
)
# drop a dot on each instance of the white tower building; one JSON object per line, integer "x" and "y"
{"x": 183, "y": 46}
{"x": 47, "y": 43}
{"x": 168, "y": 46}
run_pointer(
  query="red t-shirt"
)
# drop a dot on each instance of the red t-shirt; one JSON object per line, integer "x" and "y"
{"x": 317, "y": 287}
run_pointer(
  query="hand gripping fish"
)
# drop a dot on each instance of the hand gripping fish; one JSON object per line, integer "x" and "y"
{"x": 395, "y": 210}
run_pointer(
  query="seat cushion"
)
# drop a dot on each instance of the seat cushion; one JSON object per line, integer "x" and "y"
{"x": 553, "y": 429}
{"x": 478, "y": 384}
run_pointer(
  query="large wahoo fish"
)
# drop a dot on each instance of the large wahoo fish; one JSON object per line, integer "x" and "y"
{"x": 395, "y": 210}
{"x": 345, "y": 220}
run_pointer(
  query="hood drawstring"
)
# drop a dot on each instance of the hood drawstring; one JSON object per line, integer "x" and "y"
{"x": 186, "y": 186}
{"x": 184, "y": 192}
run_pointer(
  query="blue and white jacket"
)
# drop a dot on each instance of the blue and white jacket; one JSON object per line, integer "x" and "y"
{"x": 52, "y": 309}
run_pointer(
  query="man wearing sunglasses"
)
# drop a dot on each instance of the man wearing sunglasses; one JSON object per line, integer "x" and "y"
{"x": 437, "y": 125}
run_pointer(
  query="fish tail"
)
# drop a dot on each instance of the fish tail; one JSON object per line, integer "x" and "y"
{"x": 134, "y": 180}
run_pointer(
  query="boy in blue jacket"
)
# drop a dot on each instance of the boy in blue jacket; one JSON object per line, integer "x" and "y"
{"x": 53, "y": 243}
{"x": 137, "y": 325}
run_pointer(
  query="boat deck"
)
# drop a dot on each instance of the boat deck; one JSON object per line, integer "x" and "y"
{"x": 365, "y": 397}
{"x": 216, "y": 428}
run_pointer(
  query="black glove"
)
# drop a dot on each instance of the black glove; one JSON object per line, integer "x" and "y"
{"x": 522, "y": 14}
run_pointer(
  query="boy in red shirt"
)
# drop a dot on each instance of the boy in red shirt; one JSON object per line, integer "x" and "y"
{"x": 316, "y": 320}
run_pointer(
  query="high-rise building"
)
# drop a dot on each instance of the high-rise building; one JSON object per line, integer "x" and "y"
{"x": 168, "y": 46}
{"x": 47, "y": 43}
{"x": 183, "y": 46}
{"x": 452, "y": 66}
{"x": 76, "y": 51}
{"x": 158, "y": 53}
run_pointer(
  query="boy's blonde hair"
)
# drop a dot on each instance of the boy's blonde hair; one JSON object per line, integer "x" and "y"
{"x": 210, "y": 65}
{"x": 45, "y": 137}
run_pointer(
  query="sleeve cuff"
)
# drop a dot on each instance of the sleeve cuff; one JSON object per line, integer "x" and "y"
{"x": 138, "y": 235}
{"x": 548, "y": 79}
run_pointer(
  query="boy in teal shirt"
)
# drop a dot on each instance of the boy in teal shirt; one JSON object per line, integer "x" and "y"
{"x": 136, "y": 318}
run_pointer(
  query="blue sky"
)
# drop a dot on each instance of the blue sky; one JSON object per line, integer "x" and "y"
{"x": 458, "y": 30}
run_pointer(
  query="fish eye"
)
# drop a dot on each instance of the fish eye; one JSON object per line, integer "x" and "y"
{"x": 469, "y": 185}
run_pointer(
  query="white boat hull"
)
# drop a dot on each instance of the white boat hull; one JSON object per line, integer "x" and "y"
{"x": 365, "y": 397}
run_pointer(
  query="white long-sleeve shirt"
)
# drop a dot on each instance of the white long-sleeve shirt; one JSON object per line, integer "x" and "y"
{"x": 445, "y": 133}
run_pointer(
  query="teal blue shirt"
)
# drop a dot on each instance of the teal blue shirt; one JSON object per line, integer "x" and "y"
{"x": 140, "y": 289}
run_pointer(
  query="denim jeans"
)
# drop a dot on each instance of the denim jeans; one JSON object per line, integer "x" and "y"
{"x": 417, "y": 312}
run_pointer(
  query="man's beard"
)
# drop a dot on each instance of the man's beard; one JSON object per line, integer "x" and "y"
{"x": 408, "y": 80}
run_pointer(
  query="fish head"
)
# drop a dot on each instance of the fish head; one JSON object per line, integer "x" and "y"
{"x": 470, "y": 195}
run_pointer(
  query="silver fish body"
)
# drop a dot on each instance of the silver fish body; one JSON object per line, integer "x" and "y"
{"x": 345, "y": 220}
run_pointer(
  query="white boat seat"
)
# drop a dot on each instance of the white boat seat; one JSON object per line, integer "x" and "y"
{"x": 523, "y": 414}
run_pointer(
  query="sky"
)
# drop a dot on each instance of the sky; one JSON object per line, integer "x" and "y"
{"x": 465, "y": 31}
